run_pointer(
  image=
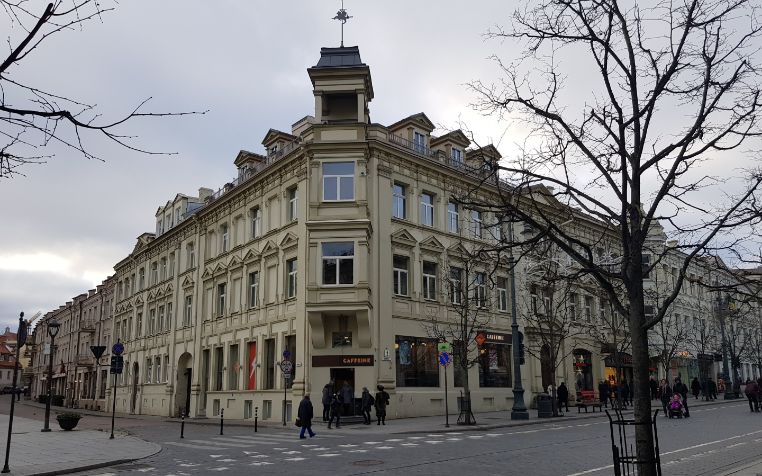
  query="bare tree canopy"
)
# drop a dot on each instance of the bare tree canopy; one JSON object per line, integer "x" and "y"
{"x": 37, "y": 122}
{"x": 667, "y": 91}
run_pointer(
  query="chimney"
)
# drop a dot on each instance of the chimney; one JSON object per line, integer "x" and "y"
{"x": 204, "y": 193}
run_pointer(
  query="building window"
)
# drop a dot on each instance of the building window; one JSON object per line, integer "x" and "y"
{"x": 480, "y": 289}
{"x": 427, "y": 209}
{"x": 190, "y": 255}
{"x": 253, "y": 289}
{"x": 419, "y": 142}
{"x": 502, "y": 294}
{"x": 269, "y": 382}
{"x": 416, "y": 362}
{"x": 291, "y": 285}
{"x": 588, "y": 309}
{"x": 169, "y": 316}
{"x": 154, "y": 273}
{"x": 171, "y": 268}
{"x": 398, "y": 201}
{"x": 572, "y": 306}
{"x": 166, "y": 368}
{"x": 234, "y": 366}
{"x": 139, "y": 325}
{"x": 602, "y": 309}
{"x": 141, "y": 279}
{"x": 646, "y": 265}
{"x": 152, "y": 322}
{"x": 219, "y": 364}
{"x": 457, "y": 157}
{"x": 188, "y": 314}
{"x": 429, "y": 281}
{"x": 158, "y": 370}
{"x": 163, "y": 269}
{"x": 338, "y": 181}
{"x": 453, "y": 217}
{"x": 476, "y": 224}
{"x": 293, "y": 204}
{"x": 221, "y": 289}
{"x": 224, "y": 232}
{"x": 161, "y": 319}
{"x": 338, "y": 263}
{"x": 456, "y": 280}
{"x": 400, "y": 267}
{"x": 149, "y": 369}
{"x": 256, "y": 222}
{"x": 494, "y": 365}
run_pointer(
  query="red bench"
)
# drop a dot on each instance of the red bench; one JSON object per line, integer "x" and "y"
{"x": 587, "y": 398}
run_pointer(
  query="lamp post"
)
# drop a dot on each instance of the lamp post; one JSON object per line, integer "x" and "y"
{"x": 519, "y": 410}
{"x": 729, "y": 395}
{"x": 53, "y": 327}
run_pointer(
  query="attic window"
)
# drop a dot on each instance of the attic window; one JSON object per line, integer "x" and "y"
{"x": 340, "y": 107}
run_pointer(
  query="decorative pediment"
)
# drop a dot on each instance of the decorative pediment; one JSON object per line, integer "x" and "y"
{"x": 289, "y": 241}
{"x": 138, "y": 301}
{"x": 219, "y": 269}
{"x": 151, "y": 295}
{"x": 458, "y": 250}
{"x": 456, "y": 137}
{"x": 188, "y": 282}
{"x": 403, "y": 237}
{"x": 251, "y": 255}
{"x": 208, "y": 272}
{"x": 142, "y": 242}
{"x": 432, "y": 244}
{"x": 419, "y": 120}
{"x": 235, "y": 262}
{"x": 169, "y": 289}
{"x": 270, "y": 248}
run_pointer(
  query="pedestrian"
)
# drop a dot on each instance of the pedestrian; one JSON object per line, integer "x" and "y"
{"x": 752, "y": 394}
{"x": 626, "y": 393}
{"x": 695, "y": 387}
{"x": 382, "y": 401}
{"x": 563, "y": 396}
{"x": 326, "y": 400}
{"x": 304, "y": 415}
{"x": 682, "y": 389}
{"x": 712, "y": 389}
{"x": 665, "y": 393}
{"x": 366, "y": 403}
{"x": 335, "y": 410}
{"x": 654, "y": 387}
{"x": 348, "y": 398}
{"x": 603, "y": 393}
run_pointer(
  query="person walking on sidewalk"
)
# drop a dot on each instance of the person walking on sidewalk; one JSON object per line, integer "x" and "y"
{"x": 603, "y": 393}
{"x": 752, "y": 394}
{"x": 712, "y": 389}
{"x": 665, "y": 394}
{"x": 682, "y": 389}
{"x": 382, "y": 401}
{"x": 305, "y": 414}
{"x": 367, "y": 404}
{"x": 563, "y": 396}
{"x": 335, "y": 410}
{"x": 654, "y": 387}
{"x": 326, "y": 400}
{"x": 695, "y": 387}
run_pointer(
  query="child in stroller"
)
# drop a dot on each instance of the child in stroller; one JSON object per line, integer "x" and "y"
{"x": 676, "y": 407}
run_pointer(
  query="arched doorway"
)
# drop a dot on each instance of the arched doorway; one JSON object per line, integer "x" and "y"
{"x": 135, "y": 380}
{"x": 546, "y": 367}
{"x": 184, "y": 381}
{"x": 583, "y": 370}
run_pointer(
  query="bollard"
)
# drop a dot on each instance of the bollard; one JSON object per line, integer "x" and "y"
{"x": 222, "y": 419}
{"x": 256, "y": 416}
{"x": 182, "y": 424}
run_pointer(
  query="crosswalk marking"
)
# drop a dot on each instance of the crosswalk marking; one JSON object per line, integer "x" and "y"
{"x": 218, "y": 444}
{"x": 191, "y": 446}
{"x": 243, "y": 444}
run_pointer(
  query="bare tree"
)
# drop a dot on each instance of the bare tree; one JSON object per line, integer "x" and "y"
{"x": 675, "y": 85}
{"x": 466, "y": 284}
{"x": 35, "y": 121}
{"x": 702, "y": 340}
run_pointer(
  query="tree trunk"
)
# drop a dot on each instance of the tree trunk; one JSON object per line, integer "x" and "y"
{"x": 641, "y": 401}
{"x": 466, "y": 407}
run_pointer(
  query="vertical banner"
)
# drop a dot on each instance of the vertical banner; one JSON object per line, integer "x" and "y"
{"x": 252, "y": 366}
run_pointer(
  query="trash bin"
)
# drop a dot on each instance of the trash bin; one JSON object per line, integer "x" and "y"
{"x": 544, "y": 406}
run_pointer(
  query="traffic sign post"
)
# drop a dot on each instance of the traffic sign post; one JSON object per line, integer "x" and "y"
{"x": 117, "y": 364}
{"x": 444, "y": 361}
{"x": 285, "y": 367}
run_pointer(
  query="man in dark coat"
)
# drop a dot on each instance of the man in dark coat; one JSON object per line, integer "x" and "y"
{"x": 682, "y": 389}
{"x": 367, "y": 404}
{"x": 305, "y": 415}
{"x": 752, "y": 394}
{"x": 563, "y": 396}
{"x": 712, "y": 388}
{"x": 695, "y": 387}
{"x": 654, "y": 387}
{"x": 382, "y": 401}
{"x": 326, "y": 400}
{"x": 335, "y": 410}
{"x": 603, "y": 393}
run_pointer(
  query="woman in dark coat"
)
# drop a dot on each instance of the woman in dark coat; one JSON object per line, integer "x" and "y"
{"x": 665, "y": 394}
{"x": 563, "y": 396}
{"x": 305, "y": 414}
{"x": 695, "y": 388}
{"x": 382, "y": 401}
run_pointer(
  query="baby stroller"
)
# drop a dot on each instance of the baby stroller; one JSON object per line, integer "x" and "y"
{"x": 676, "y": 409}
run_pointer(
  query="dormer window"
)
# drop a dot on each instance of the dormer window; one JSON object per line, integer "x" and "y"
{"x": 419, "y": 142}
{"x": 456, "y": 156}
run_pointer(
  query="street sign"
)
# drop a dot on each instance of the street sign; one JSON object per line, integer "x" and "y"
{"x": 117, "y": 364}
{"x": 444, "y": 347}
{"x": 98, "y": 350}
{"x": 286, "y": 366}
{"x": 480, "y": 338}
{"x": 118, "y": 348}
{"x": 444, "y": 359}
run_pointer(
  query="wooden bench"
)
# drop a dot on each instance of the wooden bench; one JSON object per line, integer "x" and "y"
{"x": 586, "y": 398}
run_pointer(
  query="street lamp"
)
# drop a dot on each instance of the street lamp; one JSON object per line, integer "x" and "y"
{"x": 729, "y": 391}
{"x": 519, "y": 410}
{"x": 53, "y": 327}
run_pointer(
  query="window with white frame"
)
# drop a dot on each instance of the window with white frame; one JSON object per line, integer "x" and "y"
{"x": 163, "y": 269}
{"x": 546, "y": 304}
{"x": 400, "y": 270}
{"x": 141, "y": 279}
{"x": 457, "y": 157}
{"x": 338, "y": 263}
{"x": 160, "y": 326}
{"x": 476, "y": 223}
{"x": 429, "y": 281}
{"x": 225, "y": 233}
{"x": 221, "y": 294}
{"x": 152, "y": 322}
{"x": 149, "y": 369}
{"x": 398, "y": 200}
{"x": 502, "y": 294}
{"x": 419, "y": 142}
{"x": 602, "y": 305}
{"x": 256, "y": 222}
{"x": 139, "y": 325}
{"x": 338, "y": 181}
{"x": 154, "y": 273}
{"x": 456, "y": 285}
{"x": 253, "y": 289}
{"x": 480, "y": 289}
{"x": 427, "y": 209}
{"x": 291, "y": 284}
{"x": 588, "y": 309}
{"x": 166, "y": 368}
{"x": 190, "y": 256}
{"x": 157, "y": 378}
{"x": 188, "y": 314}
{"x": 293, "y": 203}
{"x": 534, "y": 299}
{"x": 646, "y": 265}
{"x": 171, "y": 268}
{"x": 453, "y": 217}
{"x": 169, "y": 316}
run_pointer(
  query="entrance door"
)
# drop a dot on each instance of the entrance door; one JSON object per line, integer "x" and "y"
{"x": 188, "y": 373}
{"x": 341, "y": 377}
{"x": 135, "y": 380}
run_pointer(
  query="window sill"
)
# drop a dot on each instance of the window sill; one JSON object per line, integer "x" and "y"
{"x": 401, "y": 296}
{"x": 337, "y": 286}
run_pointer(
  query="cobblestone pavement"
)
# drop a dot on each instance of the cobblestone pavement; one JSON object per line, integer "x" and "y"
{"x": 713, "y": 441}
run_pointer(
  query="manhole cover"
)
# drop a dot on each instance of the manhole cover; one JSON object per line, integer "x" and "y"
{"x": 368, "y": 462}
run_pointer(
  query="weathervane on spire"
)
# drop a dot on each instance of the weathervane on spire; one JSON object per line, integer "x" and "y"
{"x": 342, "y": 16}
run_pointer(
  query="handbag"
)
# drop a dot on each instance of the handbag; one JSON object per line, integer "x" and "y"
{"x": 298, "y": 422}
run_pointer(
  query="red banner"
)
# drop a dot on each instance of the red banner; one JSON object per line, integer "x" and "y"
{"x": 252, "y": 366}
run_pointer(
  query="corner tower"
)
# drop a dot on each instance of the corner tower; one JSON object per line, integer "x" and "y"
{"x": 342, "y": 86}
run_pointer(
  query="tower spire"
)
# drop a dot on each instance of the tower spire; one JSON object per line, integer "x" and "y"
{"x": 342, "y": 16}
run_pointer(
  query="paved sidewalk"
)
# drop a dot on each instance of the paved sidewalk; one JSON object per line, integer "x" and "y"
{"x": 59, "y": 452}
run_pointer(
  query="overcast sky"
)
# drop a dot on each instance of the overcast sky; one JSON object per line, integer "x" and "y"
{"x": 68, "y": 222}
